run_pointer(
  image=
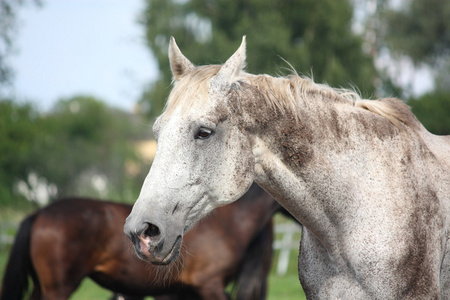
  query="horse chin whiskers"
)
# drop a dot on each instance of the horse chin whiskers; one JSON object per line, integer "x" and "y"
{"x": 166, "y": 274}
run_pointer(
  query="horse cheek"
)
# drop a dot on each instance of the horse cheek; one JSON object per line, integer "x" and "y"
{"x": 243, "y": 166}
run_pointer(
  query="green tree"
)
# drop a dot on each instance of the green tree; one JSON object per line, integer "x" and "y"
{"x": 84, "y": 138}
{"x": 8, "y": 31}
{"x": 421, "y": 30}
{"x": 314, "y": 36}
{"x": 79, "y": 141}
{"x": 433, "y": 110}
{"x": 18, "y": 135}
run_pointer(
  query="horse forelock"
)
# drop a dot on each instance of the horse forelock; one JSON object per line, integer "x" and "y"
{"x": 191, "y": 88}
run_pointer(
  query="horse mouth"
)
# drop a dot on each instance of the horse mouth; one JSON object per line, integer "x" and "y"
{"x": 155, "y": 256}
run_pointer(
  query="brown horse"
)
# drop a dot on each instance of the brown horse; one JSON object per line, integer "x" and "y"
{"x": 72, "y": 239}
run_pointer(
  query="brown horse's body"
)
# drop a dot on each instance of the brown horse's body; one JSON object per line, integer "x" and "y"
{"x": 77, "y": 238}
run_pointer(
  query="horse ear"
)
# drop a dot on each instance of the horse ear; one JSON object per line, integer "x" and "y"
{"x": 232, "y": 67}
{"x": 179, "y": 64}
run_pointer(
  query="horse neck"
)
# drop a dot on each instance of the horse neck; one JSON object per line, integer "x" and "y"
{"x": 299, "y": 157}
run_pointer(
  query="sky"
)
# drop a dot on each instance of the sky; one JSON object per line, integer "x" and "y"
{"x": 82, "y": 47}
{"x": 97, "y": 48}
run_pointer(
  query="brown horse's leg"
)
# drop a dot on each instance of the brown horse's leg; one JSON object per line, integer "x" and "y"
{"x": 214, "y": 289}
{"x": 57, "y": 283}
{"x": 59, "y": 291}
{"x": 36, "y": 293}
{"x": 57, "y": 269}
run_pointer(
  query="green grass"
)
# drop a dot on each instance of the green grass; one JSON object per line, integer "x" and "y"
{"x": 90, "y": 290}
{"x": 3, "y": 260}
{"x": 286, "y": 287}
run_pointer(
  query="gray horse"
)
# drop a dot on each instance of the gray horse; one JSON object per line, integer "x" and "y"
{"x": 369, "y": 183}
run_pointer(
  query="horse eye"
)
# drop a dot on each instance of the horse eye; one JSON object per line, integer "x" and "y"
{"x": 204, "y": 133}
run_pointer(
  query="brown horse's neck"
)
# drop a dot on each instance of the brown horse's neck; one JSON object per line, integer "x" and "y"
{"x": 258, "y": 206}
{"x": 249, "y": 215}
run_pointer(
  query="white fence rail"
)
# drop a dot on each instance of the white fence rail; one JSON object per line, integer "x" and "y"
{"x": 286, "y": 244}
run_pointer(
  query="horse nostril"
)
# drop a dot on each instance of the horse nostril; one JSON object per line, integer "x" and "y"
{"x": 152, "y": 230}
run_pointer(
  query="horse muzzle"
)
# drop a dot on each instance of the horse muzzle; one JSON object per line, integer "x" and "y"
{"x": 152, "y": 242}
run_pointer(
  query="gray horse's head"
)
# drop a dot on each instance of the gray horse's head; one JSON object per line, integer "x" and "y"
{"x": 203, "y": 159}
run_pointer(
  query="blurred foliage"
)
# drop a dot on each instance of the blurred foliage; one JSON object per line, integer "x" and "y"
{"x": 433, "y": 110}
{"x": 421, "y": 30}
{"x": 442, "y": 79}
{"x": 81, "y": 147}
{"x": 18, "y": 135}
{"x": 315, "y": 37}
{"x": 85, "y": 138}
{"x": 8, "y": 31}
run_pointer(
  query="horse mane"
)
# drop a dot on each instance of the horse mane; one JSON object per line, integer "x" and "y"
{"x": 286, "y": 94}
{"x": 392, "y": 109}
